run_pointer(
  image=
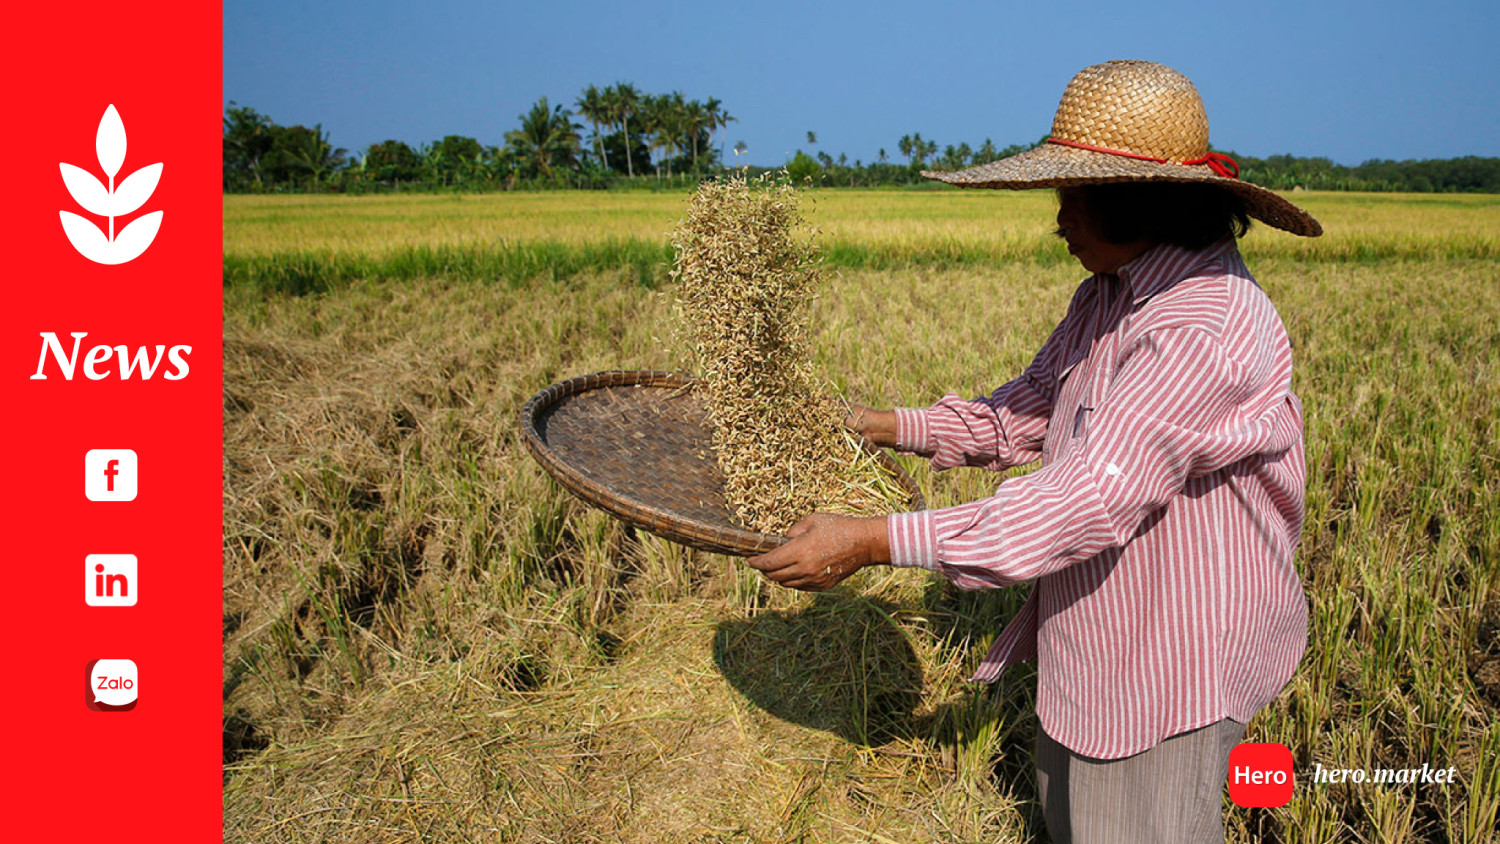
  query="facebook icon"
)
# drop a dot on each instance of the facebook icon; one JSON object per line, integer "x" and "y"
{"x": 109, "y": 474}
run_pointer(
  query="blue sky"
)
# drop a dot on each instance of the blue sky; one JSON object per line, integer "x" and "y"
{"x": 1350, "y": 81}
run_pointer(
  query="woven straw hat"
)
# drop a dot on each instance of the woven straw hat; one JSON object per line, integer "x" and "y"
{"x": 1130, "y": 121}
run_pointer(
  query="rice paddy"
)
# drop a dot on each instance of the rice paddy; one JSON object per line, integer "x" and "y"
{"x": 426, "y": 639}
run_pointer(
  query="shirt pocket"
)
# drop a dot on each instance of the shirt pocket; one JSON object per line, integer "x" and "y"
{"x": 1071, "y": 391}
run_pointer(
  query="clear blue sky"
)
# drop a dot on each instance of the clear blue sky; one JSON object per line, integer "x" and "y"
{"x": 1346, "y": 80}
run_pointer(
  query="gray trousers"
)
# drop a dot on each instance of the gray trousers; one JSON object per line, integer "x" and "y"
{"x": 1171, "y": 793}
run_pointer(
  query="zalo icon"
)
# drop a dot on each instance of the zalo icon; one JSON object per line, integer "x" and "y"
{"x": 113, "y": 685}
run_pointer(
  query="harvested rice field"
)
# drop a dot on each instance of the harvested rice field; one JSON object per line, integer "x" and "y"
{"x": 425, "y": 638}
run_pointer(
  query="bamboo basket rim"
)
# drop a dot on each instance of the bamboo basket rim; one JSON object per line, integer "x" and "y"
{"x": 674, "y": 526}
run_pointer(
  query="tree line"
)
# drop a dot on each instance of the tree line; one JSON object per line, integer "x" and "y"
{"x": 631, "y": 134}
{"x": 620, "y": 136}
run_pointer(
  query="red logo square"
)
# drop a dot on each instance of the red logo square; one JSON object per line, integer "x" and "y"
{"x": 1260, "y": 775}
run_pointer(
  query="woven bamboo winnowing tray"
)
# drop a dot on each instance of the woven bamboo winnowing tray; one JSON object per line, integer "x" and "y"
{"x": 637, "y": 445}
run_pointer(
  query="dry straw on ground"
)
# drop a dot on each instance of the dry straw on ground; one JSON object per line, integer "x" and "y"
{"x": 746, "y": 281}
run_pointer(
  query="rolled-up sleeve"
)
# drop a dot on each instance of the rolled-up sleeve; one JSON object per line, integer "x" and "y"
{"x": 998, "y": 431}
{"x": 1172, "y": 412}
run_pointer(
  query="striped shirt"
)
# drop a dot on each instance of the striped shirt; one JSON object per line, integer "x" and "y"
{"x": 1161, "y": 525}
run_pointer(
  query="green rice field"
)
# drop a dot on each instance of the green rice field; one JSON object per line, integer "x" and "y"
{"x": 427, "y": 639}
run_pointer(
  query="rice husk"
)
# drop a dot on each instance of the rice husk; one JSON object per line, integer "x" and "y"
{"x": 745, "y": 285}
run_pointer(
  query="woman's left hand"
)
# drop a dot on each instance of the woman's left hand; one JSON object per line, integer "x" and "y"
{"x": 824, "y": 549}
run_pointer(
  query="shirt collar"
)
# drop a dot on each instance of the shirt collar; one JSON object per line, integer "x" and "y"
{"x": 1163, "y": 265}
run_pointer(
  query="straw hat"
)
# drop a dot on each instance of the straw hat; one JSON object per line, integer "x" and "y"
{"x": 1130, "y": 121}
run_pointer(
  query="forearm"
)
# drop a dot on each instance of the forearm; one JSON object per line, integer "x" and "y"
{"x": 996, "y": 432}
{"x": 1033, "y": 526}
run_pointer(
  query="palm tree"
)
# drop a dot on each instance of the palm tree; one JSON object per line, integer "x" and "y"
{"x": 695, "y": 118}
{"x": 675, "y": 122}
{"x": 650, "y": 118}
{"x": 812, "y": 138}
{"x": 547, "y": 137}
{"x": 593, "y": 106}
{"x": 740, "y": 148}
{"x": 248, "y": 138}
{"x": 725, "y": 118}
{"x": 624, "y": 100}
{"x": 904, "y": 146}
{"x": 718, "y": 119}
{"x": 308, "y": 150}
{"x": 920, "y": 149}
{"x": 666, "y": 122}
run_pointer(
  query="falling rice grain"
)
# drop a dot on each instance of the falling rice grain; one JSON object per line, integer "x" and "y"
{"x": 745, "y": 284}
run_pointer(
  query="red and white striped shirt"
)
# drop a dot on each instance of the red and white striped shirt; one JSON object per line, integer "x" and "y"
{"x": 1161, "y": 525}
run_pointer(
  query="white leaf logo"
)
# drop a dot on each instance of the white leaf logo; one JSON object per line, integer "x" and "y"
{"x": 109, "y": 201}
{"x": 109, "y": 142}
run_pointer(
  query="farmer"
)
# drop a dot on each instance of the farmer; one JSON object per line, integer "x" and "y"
{"x": 1160, "y": 528}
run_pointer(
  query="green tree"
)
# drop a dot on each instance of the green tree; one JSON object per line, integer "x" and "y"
{"x": 594, "y": 105}
{"x": 392, "y": 161}
{"x": 667, "y": 123}
{"x": 955, "y": 158}
{"x": 248, "y": 136}
{"x": 454, "y": 160}
{"x": 802, "y": 168}
{"x": 719, "y": 119}
{"x": 548, "y": 138}
{"x": 695, "y": 119}
{"x": 624, "y": 101}
{"x": 301, "y": 155}
{"x": 921, "y": 149}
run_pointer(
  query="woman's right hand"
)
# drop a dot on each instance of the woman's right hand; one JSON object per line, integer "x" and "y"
{"x": 877, "y": 426}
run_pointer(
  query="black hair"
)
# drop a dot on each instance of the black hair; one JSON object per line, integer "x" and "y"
{"x": 1190, "y": 215}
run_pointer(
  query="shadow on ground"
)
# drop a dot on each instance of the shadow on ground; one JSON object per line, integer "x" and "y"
{"x": 841, "y": 665}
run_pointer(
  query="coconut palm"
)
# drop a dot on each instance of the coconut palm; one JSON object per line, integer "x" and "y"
{"x": 624, "y": 102}
{"x": 300, "y": 151}
{"x": 666, "y": 118}
{"x": 721, "y": 119}
{"x": 695, "y": 119}
{"x": 547, "y": 137}
{"x": 248, "y": 137}
{"x": 594, "y": 106}
{"x": 919, "y": 149}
